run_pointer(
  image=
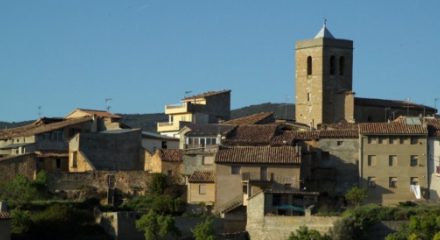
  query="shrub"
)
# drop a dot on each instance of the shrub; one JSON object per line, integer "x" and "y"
{"x": 156, "y": 226}
{"x": 204, "y": 230}
{"x": 356, "y": 195}
{"x": 303, "y": 233}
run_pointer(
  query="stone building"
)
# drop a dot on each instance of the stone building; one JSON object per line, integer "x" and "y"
{"x": 324, "y": 86}
{"x": 208, "y": 107}
{"x": 106, "y": 150}
{"x": 201, "y": 188}
{"x": 393, "y": 161}
{"x": 243, "y": 171}
{"x": 165, "y": 161}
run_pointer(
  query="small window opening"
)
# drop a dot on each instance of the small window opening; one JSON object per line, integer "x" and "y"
{"x": 332, "y": 65}
{"x": 341, "y": 65}
{"x": 309, "y": 66}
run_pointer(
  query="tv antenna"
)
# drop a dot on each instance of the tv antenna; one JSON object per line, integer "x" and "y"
{"x": 107, "y": 104}
{"x": 39, "y": 111}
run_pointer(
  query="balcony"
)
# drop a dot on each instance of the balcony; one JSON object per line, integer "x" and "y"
{"x": 178, "y": 108}
{"x": 170, "y": 126}
{"x": 256, "y": 177}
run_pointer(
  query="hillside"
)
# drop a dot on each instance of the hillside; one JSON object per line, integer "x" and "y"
{"x": 148, "y": 121}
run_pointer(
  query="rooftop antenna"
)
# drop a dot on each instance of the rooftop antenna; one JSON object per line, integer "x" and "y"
{"x": 39, "y": 112}
{"x": 325, "y": 22}
{"x": 107, "y": 104}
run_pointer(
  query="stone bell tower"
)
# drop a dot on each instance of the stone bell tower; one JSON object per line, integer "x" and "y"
{"x": 324, "y": 79}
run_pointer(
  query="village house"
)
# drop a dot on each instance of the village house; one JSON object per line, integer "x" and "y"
{"x": 208, "y": 107}
{"x": 118, "y": 149}
{"x": 393, "y": 161}
{"x": 201, "y": 188}
{"x": 165, "y": 161}
{"x": 243, "y": 171}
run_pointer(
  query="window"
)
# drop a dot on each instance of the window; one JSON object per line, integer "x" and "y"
{"x": 245, "y": 189}
{"x": 382, "y": 140}
{"x": 235, "y": 170}
{"x": 170, "y": 172}
{"x": 414, "y": 140}
{"x": 309, "y": 65}
{"x": 332, "y": 65}
{"x": 339, "y": 143}
{"x": 372, "y": 140}
{"x": 58, "y": 163}
{"x": 393, "y": 182}
{"x": 392, "y": 161}
{"x": 414, "y": 181}
{"x": 309, "y": 97}
{"x": 414, "y": 160}
{"x": 371, "y": 160}
{"x": 164, "y": 145}
{"x": 74, "y": 160}
{"x": 393, "y": 140}
{"x": 202, "y": 142}
{"x": 263, "y": 173}
{"x": 208, "y": 160}
{"x": 371, "y": 182}
{"x": 402, "y": 140}
{"x": 202, "y": 189}
{"x": 341, "y": 65}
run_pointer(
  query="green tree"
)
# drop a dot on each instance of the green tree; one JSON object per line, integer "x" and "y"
{"x": 204, "y": 230}
{"x": 356, "y": 195}
{"x": 304, "y": 233}
{"x": 156, "y": 226}
{"x": 158, "y": 184}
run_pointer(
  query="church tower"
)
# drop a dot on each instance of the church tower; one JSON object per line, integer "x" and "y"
{"x": 324, "y": 69}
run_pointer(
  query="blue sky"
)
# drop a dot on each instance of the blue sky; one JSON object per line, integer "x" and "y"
{"x": 146, "y": 53}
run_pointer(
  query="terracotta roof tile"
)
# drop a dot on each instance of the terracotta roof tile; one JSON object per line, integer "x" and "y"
{"x": 251, "y": 135}
{"x": 393, "y": 128}
{"x": 258, "y": 155}
{"x": 171, "y": 155}
{"x": 258, "y": 118}
{"x": 339, "y": 133}
{"x": 209, "y": 129}
{"x": 202, "y": 177}
{"x": 39, "y": 127}
{"x": 206, "y": 94}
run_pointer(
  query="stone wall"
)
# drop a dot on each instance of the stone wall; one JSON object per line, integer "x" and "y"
{"x": 5, "y": 229}
{"x": 268, "y": 227}
{"x": 25, "y": 165}
{"x": 125, "y": 181}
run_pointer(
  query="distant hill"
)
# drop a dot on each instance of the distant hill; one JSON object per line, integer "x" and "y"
{"x": 6, "y": 125}
{"x": 148, "y": 121}
{"x": 281, "y": 110}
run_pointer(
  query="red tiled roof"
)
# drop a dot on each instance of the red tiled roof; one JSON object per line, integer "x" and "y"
{"x": 258, "y": 118}
{"x": 202, "y": 177}
{"x": 251, "y": 135}
{"x": 171, "y": 155}
{"x": 39, "y": 127}
{"x": 339, "y": 133}
{"x": 393, "y": 128}
{"x": 258, "y": 154}
{"x": 206, "y": 94}
{"x": 286, "y": 137}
